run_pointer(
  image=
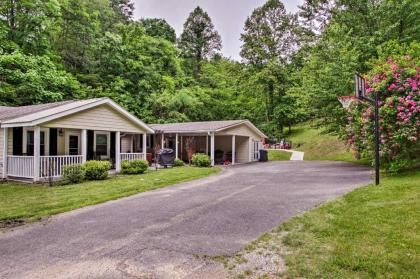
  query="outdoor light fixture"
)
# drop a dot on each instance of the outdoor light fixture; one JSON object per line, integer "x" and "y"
{"x": 361, "y": 95}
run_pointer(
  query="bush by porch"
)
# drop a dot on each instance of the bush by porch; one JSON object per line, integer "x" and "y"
{"x": 31, "y": 202}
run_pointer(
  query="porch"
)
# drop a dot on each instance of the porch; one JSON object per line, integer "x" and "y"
{"x": 39, "y": 153}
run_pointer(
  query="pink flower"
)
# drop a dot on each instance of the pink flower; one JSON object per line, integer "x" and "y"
{"x": 392, "y": 87}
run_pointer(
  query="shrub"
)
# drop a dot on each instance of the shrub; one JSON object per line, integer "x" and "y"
{"x": 73, "y": 174}
{"x": 396, "y": 81}
{"x": 201, "y": 160}
{"x": 96, "y": 170}
{"x": 134, "y": 166}
{"x": 178, "y": 163}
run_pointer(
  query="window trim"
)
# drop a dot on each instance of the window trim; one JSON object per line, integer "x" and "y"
{"x": 46, "y": 132}
{"x": 108, "y": 147}
{"x": 67, "y": 134}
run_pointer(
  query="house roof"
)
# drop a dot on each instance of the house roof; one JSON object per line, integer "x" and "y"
{"x": 203, "y": 127}
{"x": 38, "y": 114}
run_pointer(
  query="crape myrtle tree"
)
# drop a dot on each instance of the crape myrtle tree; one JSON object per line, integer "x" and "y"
{"x": 270, "y": 39}
{"x": 199, "y": 41}
{"x": 396, "y": 80}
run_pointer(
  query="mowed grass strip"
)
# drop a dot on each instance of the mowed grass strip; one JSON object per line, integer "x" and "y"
{"x": 30, "y": 202}
{"x": 278, "y": 155}
{"x": 372, "y": 232}
{"x": 320, "y": 146}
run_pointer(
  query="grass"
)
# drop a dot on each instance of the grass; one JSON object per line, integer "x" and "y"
{"x": 320, "y": 146}
{"x": 278, "y": 155}
{"x": 372, "y": 232}
{"x": 31, "y": 202}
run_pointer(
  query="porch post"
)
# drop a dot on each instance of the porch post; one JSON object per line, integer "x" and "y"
{"x": 251, "y": 150}
{"x": 207, "y": 144}
{"x": 233, "y": 149}
{"x": 176, "y": 146}
{"x": 84, "y": 145}
{"x": 117, "y": 151}
{"x": 145, "y": 145}
{"x": 212, "y": 149}
{"x": 163, "y": 141}
{"x": 37, "y": 152}
{"x": 5, "y": 139}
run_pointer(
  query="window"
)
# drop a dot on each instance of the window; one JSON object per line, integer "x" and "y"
{"x": 73, "y": 145}
{"x": 101, "y": 144}
{"x": 30, "y": 143}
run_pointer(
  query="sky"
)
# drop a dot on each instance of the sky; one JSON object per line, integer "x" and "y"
{"x": 228, "y": 16}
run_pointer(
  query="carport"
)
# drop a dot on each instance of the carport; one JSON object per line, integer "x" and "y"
{"x": 226, "y": 142}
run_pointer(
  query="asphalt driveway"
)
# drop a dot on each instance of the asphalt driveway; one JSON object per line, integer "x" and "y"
{"x": 171, "y": 232}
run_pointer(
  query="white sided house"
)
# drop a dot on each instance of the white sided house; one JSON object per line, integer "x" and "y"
{"x": 37, "y": 141}
{"x": 230, "y": 141}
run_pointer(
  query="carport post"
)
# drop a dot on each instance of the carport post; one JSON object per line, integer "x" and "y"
{"x": 5, "y": 139}
{"x": 233, "y": 149}
{"x": 163, "y": 141}
{"x": 176, "y": 146}
{"x": 84, "y": 145}
{"x": 118, "y": 151}
{"x": 212, "y": 148}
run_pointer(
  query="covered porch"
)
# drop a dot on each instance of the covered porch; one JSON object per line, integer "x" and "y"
{"x": 37, "y": 153}
{"x": 222, "y": 149}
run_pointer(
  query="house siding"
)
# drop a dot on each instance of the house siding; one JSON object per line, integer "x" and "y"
{"x": 241, "y": 130}
{"x": 99, "y": 118}
{"x": 1, "y": 151}
{"x": 242, "y": 149}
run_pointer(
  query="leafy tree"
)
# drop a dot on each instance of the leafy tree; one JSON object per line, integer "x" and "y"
{"x": 199, "y": 40}
{"x": 124, "y": 9}
{"x": 269, "y": 35}
{"x": 29, "y": 23}
{"x": 159, "y": 28}
{"x": 28, "y": 79}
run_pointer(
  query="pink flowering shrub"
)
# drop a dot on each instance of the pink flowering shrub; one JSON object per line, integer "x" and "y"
{"x": 397, "y": 81}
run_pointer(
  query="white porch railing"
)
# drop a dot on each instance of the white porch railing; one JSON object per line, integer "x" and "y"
{"x": 52, "y": 166}
{"x": 132, "y": 156}
{"x": 20, "y": 166}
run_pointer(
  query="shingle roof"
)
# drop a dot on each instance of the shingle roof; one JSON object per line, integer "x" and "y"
{"x": 13, "y": 112}
{"x": 36, "y": 114}
{"x": 194, "y": 127}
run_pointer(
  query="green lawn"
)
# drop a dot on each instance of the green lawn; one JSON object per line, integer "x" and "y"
{"x": 278, "y": 155}
{"x": 23, "y": 201}
{"x": 318, "y": 145}
{"x": 372, "y": 232}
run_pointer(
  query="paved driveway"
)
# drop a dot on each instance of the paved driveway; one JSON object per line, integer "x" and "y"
{"x": 168, "y": 233}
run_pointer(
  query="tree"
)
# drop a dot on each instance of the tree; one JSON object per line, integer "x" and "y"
{"x": 29, "y": 79}
{"x": 270, "y": 35}
{"x": 158, "y": 28}
{"x": 29, "y": 22}
{"x": 124, "y": 9}
{"x": 199, "y": 40}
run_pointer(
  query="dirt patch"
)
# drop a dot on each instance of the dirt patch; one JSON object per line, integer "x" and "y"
{"x": 8, "y": 224}
{"x": 263, "y": 258}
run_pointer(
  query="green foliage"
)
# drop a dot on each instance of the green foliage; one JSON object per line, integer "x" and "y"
{"x": 158, "y": 28}
{"x": 73, "y": 174}
{"x": 96, "y": 170}
{"x": 201, "y": 160}
{"x": 179, "y": 163}
{"x": 134, "y": 166}
{"x": 199, "y": 40}
{"x": 27, "y": 79}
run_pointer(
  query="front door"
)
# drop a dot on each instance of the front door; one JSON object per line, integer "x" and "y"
{"x": 73, "y": 145}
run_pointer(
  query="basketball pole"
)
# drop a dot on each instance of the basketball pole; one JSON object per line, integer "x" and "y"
{"x": 361, "y": 95}
{"x": 376, "y": 138}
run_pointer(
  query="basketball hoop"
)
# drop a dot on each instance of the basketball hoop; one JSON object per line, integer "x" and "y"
{"x": 346, "y": 101}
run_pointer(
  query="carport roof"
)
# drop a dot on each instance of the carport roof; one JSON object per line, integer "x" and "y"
{"x": 202, "y": 127}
